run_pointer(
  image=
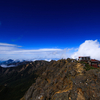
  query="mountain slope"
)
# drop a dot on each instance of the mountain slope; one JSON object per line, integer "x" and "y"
{"x": 15, "y": 81}
{"x": 55, "y": 80}
{"x": 65, "y": 80}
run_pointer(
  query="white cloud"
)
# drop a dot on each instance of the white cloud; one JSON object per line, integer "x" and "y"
{"x": 10, "y": 45}
{"x": 13, "y": 51}
{"x": 88, "y": 48}
{"x": 8, "y": 66}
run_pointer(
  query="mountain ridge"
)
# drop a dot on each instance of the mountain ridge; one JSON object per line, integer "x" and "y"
{"x": 65, "y": 79}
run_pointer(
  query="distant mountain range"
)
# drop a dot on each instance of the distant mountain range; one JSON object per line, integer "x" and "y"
{"x": 12, "y": 63}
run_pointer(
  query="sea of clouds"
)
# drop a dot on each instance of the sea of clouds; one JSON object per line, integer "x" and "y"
{"x": 88, "y": 48}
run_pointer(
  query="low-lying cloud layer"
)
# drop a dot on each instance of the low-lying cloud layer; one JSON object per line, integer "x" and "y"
{"x": 8, "y": 66}
{"x": 12, "y": 51}
{"x": 88, "y": 48}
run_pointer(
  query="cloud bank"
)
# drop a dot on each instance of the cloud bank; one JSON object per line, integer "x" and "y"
{"x": 88, "y": 48}
{"x": 8, "y": 66}
{"x": 12, "y": 51}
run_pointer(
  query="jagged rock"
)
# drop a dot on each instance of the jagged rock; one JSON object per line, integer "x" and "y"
{"x": 63, "y": 80}
{"x": 67, "y": 80}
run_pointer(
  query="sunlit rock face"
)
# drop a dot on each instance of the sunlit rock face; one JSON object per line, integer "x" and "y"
{"x": 65, "y": 80}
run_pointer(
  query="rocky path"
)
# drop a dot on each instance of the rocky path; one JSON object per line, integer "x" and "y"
{"x": 80, "y": 69}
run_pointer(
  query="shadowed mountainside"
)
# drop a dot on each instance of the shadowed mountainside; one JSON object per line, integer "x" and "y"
{"x": 14, "y": 81}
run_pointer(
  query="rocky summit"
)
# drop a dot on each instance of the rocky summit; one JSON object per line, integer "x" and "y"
{"x": 65, "y": 80}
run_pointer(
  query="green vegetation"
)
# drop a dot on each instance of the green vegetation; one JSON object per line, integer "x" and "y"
{"x": 87, "y": 66}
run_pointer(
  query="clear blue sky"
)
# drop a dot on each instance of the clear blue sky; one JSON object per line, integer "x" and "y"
{"x": 36, "y": 24}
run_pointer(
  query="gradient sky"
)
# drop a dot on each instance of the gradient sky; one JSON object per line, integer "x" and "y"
{"x": 52, "y": 24}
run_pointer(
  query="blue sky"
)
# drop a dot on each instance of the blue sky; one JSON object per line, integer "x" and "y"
{"x": 59, "y": 25}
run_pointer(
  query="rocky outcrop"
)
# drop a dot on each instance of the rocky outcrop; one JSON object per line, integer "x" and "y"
{"x": 65, "y": 80}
